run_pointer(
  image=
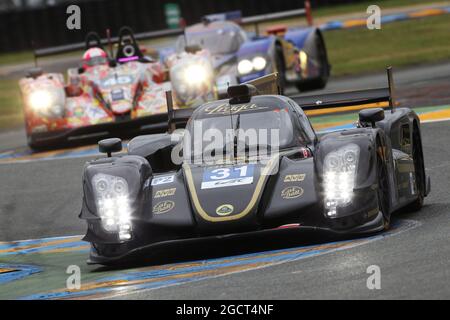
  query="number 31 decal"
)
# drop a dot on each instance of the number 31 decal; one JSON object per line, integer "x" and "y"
{"x": 224, "y": 173}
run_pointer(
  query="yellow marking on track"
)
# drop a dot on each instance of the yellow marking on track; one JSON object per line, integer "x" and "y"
{"x": 39, "y": 245}
{"x": 355, "y": 23}
{"x": 435, "y": 115}
{"x": 208, "y": 273}
{"x": 345, "y": 109}
{"x": 62, "y": 250}
{"x": 322, "y": 126}
{"x": 427, "y": 13}
{"x": 6, "y": 270}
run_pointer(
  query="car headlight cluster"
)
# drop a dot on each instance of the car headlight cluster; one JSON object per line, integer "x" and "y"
{"x": 303, "y": 59}
{"x": 256, "y": 64}
{"x": 46, "y": 102}
{"x": 113, "y": 204}
{"x": 196, "y": 74}
{"x": 340, "y": 169}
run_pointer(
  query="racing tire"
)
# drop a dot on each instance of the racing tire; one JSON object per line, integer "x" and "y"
{"x": 32, "y": 144}
{"x": 383, "y": 185}
{"x": 419, "y": 168}
{"x": 44, "y": 145}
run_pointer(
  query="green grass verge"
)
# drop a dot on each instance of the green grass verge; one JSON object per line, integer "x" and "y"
{"x": 10, "y": 104}
{"x": 16, "y": 58}
{"x": 410, "y": 42}
{"x": 339, "y": 9}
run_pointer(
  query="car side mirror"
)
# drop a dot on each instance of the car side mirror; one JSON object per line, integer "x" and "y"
{"x": 109, "y": 146}
{"x": 371, "y": 116}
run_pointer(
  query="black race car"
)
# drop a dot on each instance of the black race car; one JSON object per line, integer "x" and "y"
{"x": 172, "y": 187}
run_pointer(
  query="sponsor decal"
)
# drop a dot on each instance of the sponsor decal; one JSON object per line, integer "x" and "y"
{"x": 117, "y": 80}
{"x": 162, "y": 180}
{"x": 227, "y": 177}
{"x": 226, "y": 109}
{"x": 294, "y": 177}
{"x": 117, "y": 95}
{"x": 227, "y": 183}
{"x": 292, "y": 192}
{"x": 224, "y": 210}
{"x": 165, "y": 193}
{"x": 163, "y": 207}
{"x": 95, "y": 113}
{"x": 78, "y": 111}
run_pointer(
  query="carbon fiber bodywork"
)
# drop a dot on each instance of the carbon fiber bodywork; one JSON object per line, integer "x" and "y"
{"x": 170, "y": 203}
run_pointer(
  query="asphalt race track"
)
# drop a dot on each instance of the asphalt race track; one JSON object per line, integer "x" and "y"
{"x": 41, "y": 199}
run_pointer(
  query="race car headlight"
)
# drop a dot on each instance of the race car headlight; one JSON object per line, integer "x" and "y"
{"x": 259, "y": 63}
{"x": 256, "y": 64}
{"x": 303, "y": 59}
{"x": 40, "y": 100}
{"x": 46, "y": 103}
{"x": 245, "y": 66}
{"x": 113, "y": 204}
{"x": 340, "y": 168}
{"x": 196, "y": 74}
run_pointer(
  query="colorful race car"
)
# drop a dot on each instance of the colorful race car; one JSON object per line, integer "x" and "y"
{"x": 104, "y": 96}
{"x": 298, "y": 54}
{"x": 173, "y": 187}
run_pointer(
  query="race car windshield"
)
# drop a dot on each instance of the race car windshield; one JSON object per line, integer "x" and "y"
{"x": 95, "y": 61}
{"x": 217, "y": 41}
{"x": 270, "y": 130}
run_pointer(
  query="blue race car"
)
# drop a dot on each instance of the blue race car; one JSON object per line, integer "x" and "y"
{"x": 298, "y": 54}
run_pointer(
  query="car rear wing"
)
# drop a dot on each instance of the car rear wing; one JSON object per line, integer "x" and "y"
{"x": 279, "y": 16}
{"x": 45, "y": 52}
{"x": 264, "y": 18}
{"x": 350, "y": 100}
{"x": 337, "y": 101}
{"x": 269, "y": 85}
{"x": 343, "y": 99}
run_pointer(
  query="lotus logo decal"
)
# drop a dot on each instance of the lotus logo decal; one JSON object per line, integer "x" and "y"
{"x": 224, "y": 210}
{"x": 163, "y": 207}
{"x": 291, "y": 192}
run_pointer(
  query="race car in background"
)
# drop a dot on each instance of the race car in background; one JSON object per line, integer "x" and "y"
{"x": 117, "y": 94}
{"x": 348, "y": 181}
{"x": 298, "y": 54}
{"x": 191, "y": 76}
{"x": 127, "y": 96}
